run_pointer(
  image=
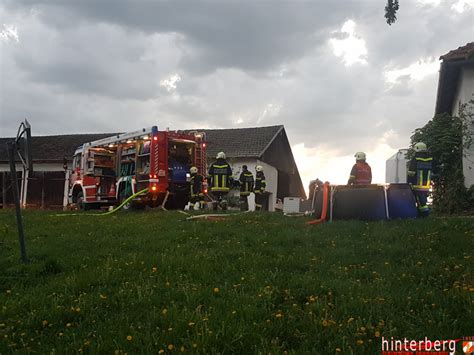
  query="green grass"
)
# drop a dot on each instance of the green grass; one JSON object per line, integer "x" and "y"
{"x": 257, "y": 283}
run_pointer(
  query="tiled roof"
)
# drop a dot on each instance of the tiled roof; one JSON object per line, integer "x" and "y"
{"x": 240, "y": 142}
{"x": 464, "y": 52}
{"x": 54, "y": 148}
{"x": 449, "y": 76}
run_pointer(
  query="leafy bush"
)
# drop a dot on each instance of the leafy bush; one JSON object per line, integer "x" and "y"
{"x": 447, "y": 138}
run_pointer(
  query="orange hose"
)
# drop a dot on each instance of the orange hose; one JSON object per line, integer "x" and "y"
{"x": 324, "y": 211}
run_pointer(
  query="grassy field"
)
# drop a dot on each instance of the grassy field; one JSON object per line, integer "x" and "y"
{"x": 152, "y": 282}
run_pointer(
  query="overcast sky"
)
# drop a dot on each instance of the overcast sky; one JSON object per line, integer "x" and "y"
{"x": 333, "y": 72}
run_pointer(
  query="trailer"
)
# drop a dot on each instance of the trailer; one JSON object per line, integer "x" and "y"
{"x": 108, "y": 171}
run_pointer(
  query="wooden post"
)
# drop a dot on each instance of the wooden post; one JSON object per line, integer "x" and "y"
{"x": 4, "y": 190}
{"x": 42, "y": 190}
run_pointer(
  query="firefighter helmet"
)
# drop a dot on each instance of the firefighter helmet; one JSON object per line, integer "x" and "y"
{"x": 420, "y": 147}
{"x": 193, "y": 170}
{"x": 259, "y": 168}
{"x": 360, "y": 156}
{"x": 220, "y": 155}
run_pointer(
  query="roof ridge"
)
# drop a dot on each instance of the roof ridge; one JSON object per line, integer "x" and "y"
{"x": 271, "y": 140}
{"x": 236, "y": 128}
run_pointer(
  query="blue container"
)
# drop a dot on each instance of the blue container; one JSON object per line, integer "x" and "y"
{"x": 365, "y": 202}
{"x": 401, "y": 201}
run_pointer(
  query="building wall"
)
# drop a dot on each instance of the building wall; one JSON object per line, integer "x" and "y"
{"x": 36, "y": 167}
{"x": 45, "y": 188}
{"x": 463, "y": 95}
{"x": 271, "y": 177}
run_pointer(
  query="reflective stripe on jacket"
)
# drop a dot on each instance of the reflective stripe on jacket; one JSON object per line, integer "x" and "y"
{"x": 220, "y": 176}
{"x": 195, "y": 185}
{"x": 246, "y": 183}
{"x": 260, "y": 183}
{"x": 419, "y": 171}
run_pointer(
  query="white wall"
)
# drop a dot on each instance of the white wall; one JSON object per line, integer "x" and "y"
{"x": 271, "y": 177}
{"x": 463, "y": 95}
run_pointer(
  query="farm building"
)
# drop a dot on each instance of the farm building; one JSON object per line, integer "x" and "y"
{"x": 455, "y": 88}
{"x": 266, "y": 146}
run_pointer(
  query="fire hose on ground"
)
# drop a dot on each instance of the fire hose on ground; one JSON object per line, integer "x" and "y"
{"x": 108, "y": 212}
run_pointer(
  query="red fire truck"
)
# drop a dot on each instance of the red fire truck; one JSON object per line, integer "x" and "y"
{"x": 107, "y": 171}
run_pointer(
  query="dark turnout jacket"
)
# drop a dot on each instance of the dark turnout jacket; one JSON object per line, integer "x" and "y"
{"x": 220, "y": 176}
{"x": 419, "y": 171}
{"x": 246, "y": 183}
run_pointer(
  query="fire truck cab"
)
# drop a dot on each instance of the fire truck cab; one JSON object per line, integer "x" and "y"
{"x": 108, "y": 171}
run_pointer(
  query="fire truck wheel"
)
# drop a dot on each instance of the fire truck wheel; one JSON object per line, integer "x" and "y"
{"x": 80, "y": 202}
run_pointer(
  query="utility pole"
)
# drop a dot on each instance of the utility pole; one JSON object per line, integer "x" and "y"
{"x": 12, "y": 151}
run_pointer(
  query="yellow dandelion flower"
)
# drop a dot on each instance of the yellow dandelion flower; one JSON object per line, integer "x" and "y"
{"x": 129, "y": 337}
{"x": 45, "y": 323}
{"x": 164, "y": 311}
{"x": 360, "y": 342}
{"x": 78, "y": 309}
{"x": 279, "y": 315}
{"x": 161, "y": 351}
{"x": 216, "y": 290}
{"x": 154, "y": 269}
{"x": 191, "y": 324}
{"x": 377, "y": 334}
{"x": 325, "y": 323}
{"x": 338, "y": 350}
{"x": 170, "y": 347}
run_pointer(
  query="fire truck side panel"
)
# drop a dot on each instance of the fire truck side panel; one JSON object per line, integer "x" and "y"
{"x": 159, "y": 160}
{"x": 90, "y": 188}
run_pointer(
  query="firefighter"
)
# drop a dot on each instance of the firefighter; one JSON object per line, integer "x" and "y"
{"x": 419, "y": 176}
{"x": 260, "y": 185}
{"x": 220, "y": 180}
{"x": 246, "y": 187}
{"x": 196, "y": 196}
{"x": 361, "y": 173}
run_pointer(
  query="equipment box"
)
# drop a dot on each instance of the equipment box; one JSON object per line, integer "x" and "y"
{"x": 291, "y": 204}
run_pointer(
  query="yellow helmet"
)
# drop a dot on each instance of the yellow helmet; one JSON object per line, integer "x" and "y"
{"x": 360, "y": 156}
{"x": 259, "y": 168}
{"x": 220, "y": 155}
{"x": 193, "y": 170}
{"x": 420, "y": 147}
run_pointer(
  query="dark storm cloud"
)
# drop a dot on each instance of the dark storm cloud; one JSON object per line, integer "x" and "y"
{"x": 249, "y": 35}
{"x": 87, "y": 66}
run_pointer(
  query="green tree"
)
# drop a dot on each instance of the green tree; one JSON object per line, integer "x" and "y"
{"x": 391, "y": 11}
{"x": 447, "y": 137}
